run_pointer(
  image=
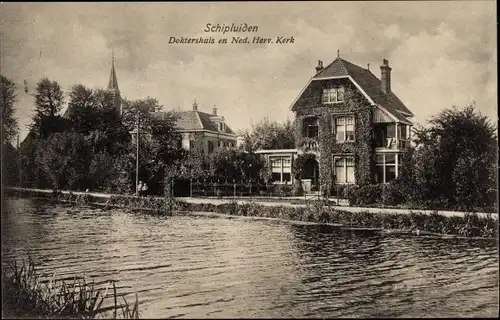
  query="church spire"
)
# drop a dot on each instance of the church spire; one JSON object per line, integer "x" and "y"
{"x": 113, "y": 82}
{"x": 113, "y": 86}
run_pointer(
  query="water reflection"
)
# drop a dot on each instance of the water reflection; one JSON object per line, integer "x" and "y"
{"x": 211, "y": 267}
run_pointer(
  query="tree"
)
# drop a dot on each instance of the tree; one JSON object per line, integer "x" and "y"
{"x": 92, "y": 113}
{"x": 9, "y": 165}
{"x": 64, "y": 160}
{"x": 238, "y": 165}
{"x": 82, "y": 109}
{"x": 142, "y": 108}
{"x": 270, "y": 135}
{"x": 456, "y": 159}
{"x": 160, "y": 154}
{"x": 8, "y": 98}
{"x": 49, "y": 99}
{"x": 9, "y": 129}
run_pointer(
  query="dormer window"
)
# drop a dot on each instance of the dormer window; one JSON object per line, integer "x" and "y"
{"x": 333, "y": 95}
{"x": 222, "y": 126}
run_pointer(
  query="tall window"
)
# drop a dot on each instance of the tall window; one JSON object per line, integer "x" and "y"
{"x": 344, "y": 170}
{"x": 310, "y": 127}
{"x": 344, "y": 129}
{"x": 191, "y": 144}
{"x": 386, "y": 167}
{"x": 210, "y": 147}
{"x": 404, "y": 141}
{"x": 281, "y": 169}
{"x": 333, "y": 95}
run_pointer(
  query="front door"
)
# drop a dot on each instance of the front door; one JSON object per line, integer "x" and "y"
{"x": 311, "y": 172}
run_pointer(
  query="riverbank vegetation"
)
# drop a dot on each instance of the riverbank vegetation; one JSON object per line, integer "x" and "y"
{"x": 469, "y": 225}
{"x": 26, "y": 295}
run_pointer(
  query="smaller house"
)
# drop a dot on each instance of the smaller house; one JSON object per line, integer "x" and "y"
{"x": 207, "y": 130}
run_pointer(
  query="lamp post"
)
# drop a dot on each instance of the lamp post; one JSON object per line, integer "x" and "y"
{"x": 137, "y": 158}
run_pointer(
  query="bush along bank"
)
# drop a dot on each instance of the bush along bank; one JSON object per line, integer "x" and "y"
{"x": 469, "y": 225}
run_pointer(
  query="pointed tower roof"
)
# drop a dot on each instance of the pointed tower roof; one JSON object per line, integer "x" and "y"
{"x": 113, "y": 81}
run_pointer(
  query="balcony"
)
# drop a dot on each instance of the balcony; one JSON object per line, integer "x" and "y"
{"x": 310, "y": 134}
{"x": 392, "y": 143}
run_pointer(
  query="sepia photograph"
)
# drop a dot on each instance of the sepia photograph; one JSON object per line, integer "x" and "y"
{"x": 209, "y": 160}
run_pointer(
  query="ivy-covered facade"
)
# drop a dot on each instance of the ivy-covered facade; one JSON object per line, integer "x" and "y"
{"x": 350, "y": 128}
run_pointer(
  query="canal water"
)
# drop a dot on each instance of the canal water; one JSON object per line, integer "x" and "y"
{"x": 201, "y": 267}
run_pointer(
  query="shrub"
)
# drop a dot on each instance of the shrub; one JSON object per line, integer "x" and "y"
{"x": 366, "y": 195}
{"x": 392, "y": 194}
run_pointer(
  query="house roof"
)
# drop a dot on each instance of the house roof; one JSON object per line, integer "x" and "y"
{"x": 196, "y": 120}
{"x": 368, "y": 82}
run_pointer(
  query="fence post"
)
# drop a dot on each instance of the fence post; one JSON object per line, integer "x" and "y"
{"x": 173, "y": 193}
{"x": 347, "y": 190}
{"x": 382, "y": 195}
{"x": 191, "y": 187}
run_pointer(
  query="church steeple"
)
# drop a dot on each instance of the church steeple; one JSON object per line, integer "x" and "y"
{"x": 113, "y": 81}
{"x": 113, "y": 86}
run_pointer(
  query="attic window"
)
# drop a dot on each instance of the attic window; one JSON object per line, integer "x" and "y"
{"x": 221, "y": 126}
{"x": 333, "y": 95}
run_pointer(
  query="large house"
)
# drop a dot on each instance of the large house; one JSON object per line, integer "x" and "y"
{"x": 350, "y": 129}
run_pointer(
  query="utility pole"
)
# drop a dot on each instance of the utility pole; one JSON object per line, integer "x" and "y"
{"x": 137, "y": 159}
{"x": 18, "y": 162}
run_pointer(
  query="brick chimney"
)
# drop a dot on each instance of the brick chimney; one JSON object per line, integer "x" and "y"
{"x": 385, "y": 77}
{"x": 319, "y": 67}
{"x": 195, "y": 106}
{"x": 214, "y": 110}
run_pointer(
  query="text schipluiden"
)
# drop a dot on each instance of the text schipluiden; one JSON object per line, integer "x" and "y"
{"x": 236, "y": 39}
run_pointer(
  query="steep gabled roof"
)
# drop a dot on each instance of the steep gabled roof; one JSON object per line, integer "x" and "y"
{"x": 368, "y": 82}
{"x": 196, "y": 120}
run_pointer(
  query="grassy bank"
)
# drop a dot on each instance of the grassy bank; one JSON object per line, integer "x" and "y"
{"x": 24, "y": 295}
{"x": 469, "y": 225}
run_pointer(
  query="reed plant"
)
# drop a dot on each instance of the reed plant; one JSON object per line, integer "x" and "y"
{"x": 26, "y": 295}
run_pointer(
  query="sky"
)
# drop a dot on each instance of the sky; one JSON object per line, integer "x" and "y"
{"x": 442, "y": 54}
